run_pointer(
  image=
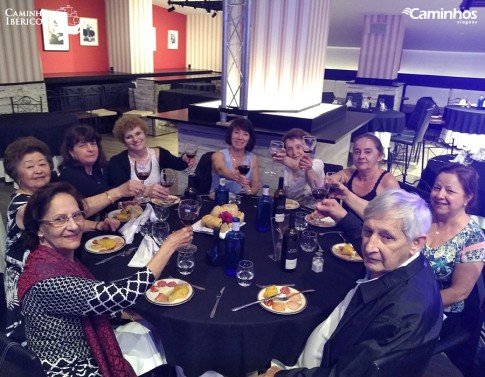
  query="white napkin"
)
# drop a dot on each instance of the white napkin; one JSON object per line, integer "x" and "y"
{"x": 144, "y": 253}
{"x": 198, "y": 228}
{"x": 133, "y": 226}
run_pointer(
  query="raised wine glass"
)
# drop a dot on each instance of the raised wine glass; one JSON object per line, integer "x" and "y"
{"x": 320, "y": 189}
{"x": 168, "y": 177}
{"x": 188, "y": 212}
{"x": 243, "y": 169}
{"x": 309, "y": 144}
{"x": 191, "y": 148}
{"x": 275, "y": 146}
{"x": 143, "y": 168}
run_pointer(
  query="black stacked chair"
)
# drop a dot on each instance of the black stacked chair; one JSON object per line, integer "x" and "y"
{"x": 401, "y": 154}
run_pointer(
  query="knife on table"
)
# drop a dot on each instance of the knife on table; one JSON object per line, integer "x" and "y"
{"x": 218, "y": 297}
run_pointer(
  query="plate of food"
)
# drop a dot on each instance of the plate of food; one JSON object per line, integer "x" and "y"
{"x": 294, "y": 305}
{"x": 346, "y": 252}
{"x": 321, "y": 222}
{"x": 291, "y": 204}
{"x": 129, "y": 210}
{"x": 169, "y": 292}
{"x": 104, "y": 244}
{"x": 168, "y": 201}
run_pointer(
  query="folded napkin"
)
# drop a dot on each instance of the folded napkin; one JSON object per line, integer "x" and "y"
{"x": 144, "y": 253}
{"x": 133, "y": 226}
{"x": 199, "y": 228}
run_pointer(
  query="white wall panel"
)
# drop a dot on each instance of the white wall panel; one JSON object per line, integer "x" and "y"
{"x": 204, "y": 42}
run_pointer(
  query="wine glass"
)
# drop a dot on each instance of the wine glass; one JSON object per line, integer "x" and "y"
{"x": 143, "y": 168}
{"x": 320, "y": 189}
{"x": 309, "y": 144}
{"x": 191, "y": 148}
{"x": 275, "y": 146}
{"x": 168, "y": 177}
{"x": 244, "y": 169}
{"x": 188, "y": 212}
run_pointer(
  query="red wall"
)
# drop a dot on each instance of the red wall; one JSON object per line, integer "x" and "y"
{"x": 164, "y": 21}
{"x": 78, "y": 58}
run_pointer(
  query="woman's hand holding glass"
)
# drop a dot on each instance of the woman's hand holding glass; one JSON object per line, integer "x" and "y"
{"x": 331, "y": 208}
{"x": 143, "y": 170}
{"x": 305, "y": 163}
{"x": 191, "y": 148}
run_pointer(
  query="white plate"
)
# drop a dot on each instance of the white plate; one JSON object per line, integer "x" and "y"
{"x": 114, "y": 214}
{"x": 198, "y": 228}
{"x": 92, "y": 245}
{"x": 287, "y": 311}
{"x": 291, "y": 204}
{"x": 323, "y": 222}
{"x": 336, "y": 251}
{"x": 151, "y": 294}
{"x": 169, "y": 201}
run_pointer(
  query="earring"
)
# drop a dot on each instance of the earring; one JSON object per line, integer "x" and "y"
{"x": 41, "y": 237}
{"x": 465, "y": 204}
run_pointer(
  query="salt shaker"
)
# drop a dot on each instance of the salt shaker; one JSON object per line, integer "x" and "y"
{"x": 317, "y": 262}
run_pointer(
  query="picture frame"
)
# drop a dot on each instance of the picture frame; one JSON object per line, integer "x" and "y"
{"x": 88, "y": 31}
{"x": 173, "y": 40}
{"x": 55, "y": 36}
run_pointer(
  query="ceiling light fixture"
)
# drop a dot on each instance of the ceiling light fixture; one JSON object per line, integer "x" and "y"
{"x": 171, "y": 9}
{"x": 209, "y": 6}
{"x": 214, "y": 14}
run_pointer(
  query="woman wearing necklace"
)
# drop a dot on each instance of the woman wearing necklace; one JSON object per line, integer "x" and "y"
{"x": 131, "y": 131}
{"x": 84, "y": 163}
{"x": 241, "y": 138}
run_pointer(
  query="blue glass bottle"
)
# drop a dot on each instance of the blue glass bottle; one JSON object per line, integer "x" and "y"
{"x": 234, "y": 248}
{"x": 214, "y": 255}
{"x": 480, "y": 102}
{"x": 264, "y": 211}
{"x": 221, "y": 195}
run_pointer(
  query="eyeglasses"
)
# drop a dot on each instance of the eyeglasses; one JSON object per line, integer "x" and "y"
{"x": 63, "y": 220}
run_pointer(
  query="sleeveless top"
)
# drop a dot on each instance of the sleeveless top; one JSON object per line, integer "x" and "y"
{"x": 369, "y": 196}
{"x": 155, "y": 174}
{"x": 232, "y": 186}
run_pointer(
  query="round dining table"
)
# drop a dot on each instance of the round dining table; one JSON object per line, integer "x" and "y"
{"x": 235, "y": 343}
{"x": 464, "y": 126}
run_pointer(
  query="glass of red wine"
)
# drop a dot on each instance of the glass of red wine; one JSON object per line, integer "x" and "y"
{"x": 168, "y": 177}
{"x": 191, "y": 148}
{"x": 320, "y": 189}
{"x": 188, "y": 212}
{"x": 275, "y": 146}
{"x": 143, "y": 169}
{"x": 309, "y": 144}
{"x": 244, "y": 169}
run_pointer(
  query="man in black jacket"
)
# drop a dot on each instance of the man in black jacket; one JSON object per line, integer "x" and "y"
{"x": 397, "y": 307}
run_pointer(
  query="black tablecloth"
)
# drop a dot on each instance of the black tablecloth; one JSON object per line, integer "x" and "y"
{"x": 175, "y": 99}
{"x": 387, "y": 121}
{"x": 235, "y": 343}
{"x": 466, "y": 120}
{"x": 48, "y": 127}
{"x": 435, "y": 164}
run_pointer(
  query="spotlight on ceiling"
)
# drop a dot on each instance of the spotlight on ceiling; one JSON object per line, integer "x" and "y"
{"x": 171, "y": 9}
{"x": 214, "y": 14}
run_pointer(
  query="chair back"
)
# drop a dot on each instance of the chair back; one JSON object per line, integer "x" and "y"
{"x": 203, "y": 174}
{"x": 332, "y": 168}
{"x": 328, "y": 97}
{"x": 406, "y": 363}
{"x": 18, "y": 361}
{"x": 26, "y": 104}
{"x": 356, "y": 98}
{"x": 425, "y": 195}
{"x": 423, "y": 126}
{"x": 419, "y": 112}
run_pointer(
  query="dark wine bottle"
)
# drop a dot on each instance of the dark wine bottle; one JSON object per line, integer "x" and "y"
{"x": 190, "y": 192}
{"x": 264, "y": 211}
{"x": 234, "y": 248}
{"x": 221, "y": 195}
{"x": 289, "y": 249}
{"x": 279, "y": 207}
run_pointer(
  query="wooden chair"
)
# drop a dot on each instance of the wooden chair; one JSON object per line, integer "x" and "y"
{"x": 26, "y": 104}
{"x": 17, "y": 361}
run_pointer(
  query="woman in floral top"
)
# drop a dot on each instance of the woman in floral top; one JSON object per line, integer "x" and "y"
{"x": 455, "y": 247}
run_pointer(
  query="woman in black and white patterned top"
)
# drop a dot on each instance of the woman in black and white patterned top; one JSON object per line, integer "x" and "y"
{"x": 66, "y": 309}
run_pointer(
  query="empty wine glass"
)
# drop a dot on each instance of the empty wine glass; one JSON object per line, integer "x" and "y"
{"x": 309, "y": 144}
{"x": 160, "y": 231}
{"x": 168, "y": 177}
{"x": 143, "y": 169}
{"x": 191, "y": 148}
{"x": 275, "y": 147}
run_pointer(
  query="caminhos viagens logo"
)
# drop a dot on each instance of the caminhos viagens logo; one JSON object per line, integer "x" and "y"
{"x": 466, "y": 17}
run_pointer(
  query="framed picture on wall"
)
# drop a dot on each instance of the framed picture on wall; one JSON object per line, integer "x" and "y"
{"x": 173, "y": 40}
{"x": 55, "y": 35}
{"x": 88, "y": 31}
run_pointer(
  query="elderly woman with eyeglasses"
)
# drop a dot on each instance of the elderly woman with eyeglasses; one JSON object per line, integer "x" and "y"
{"x": 66, "y": 309}
{"x": 29, "y": 162}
